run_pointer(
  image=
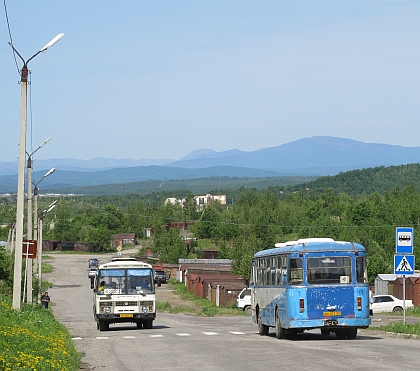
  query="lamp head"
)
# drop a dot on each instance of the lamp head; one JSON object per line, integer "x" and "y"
{"x": 52, "y": 42}
{"x": 50, "y": 172}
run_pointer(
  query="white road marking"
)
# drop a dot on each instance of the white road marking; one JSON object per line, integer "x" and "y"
{"x": 208, "y": 333}
{"x": 78, "y": 338}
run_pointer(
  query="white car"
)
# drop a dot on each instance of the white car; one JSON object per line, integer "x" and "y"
{"x": 243, "y": 302}
{"x": 389, "y": 303}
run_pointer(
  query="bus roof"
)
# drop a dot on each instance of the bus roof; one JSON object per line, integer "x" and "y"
{"x": 123, "y": 259}
{"x": 310, "y": 245}
{"x": 125, "y": 263}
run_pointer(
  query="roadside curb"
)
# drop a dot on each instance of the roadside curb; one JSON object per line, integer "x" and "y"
{"x": 403, "y": 336}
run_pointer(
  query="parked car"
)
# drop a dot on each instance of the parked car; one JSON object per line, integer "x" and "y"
{"x": 93, "y": 263}
{"x": 389, "y": 303}
{"x": 159, "y": 275}
{"x": 243, "y": 302}
{"x": 92, "y": 272}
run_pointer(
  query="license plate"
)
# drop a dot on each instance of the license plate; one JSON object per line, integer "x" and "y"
{"x": 126, "y": 315}
{"x": 329, "y": 314}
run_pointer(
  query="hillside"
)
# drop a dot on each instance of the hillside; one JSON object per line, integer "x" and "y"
{"x": 195, "y": 186}
{"x": 72, "y": 181}
{"x": 366, "y": 181}
{"x": 354, "y": 182}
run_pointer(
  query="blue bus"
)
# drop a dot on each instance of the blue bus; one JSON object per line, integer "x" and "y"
{"x": 314, "y": 283}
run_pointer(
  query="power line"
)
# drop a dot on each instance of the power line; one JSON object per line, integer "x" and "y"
{"x": 10, "y": 35}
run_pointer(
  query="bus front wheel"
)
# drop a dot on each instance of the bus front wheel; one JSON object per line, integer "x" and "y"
{"x": 262, "y": 329}
{"x": 103, "y": 326}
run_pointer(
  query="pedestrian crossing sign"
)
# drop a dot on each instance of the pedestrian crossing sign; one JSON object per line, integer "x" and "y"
{"x": 404, "y": 264}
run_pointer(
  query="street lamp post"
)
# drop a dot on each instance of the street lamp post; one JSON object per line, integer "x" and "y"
{"x": 28, "y": 272}
{"x": 39, "y": 247}
{"x": 41, "y": 219}
{"x": 17, "y": 277}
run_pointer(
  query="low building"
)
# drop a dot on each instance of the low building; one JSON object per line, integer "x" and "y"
{"x": 200, "y": 200}
{"x": 121, "y": 239}
{"x": 412, "y": 288}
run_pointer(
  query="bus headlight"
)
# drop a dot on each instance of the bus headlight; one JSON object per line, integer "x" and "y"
{"x": 107, "y": 310}
{"x": 145, "y": 310}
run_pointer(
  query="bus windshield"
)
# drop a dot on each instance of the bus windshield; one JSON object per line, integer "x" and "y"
{"x": 125, "y": 281}
{"x": 331, "y": 269}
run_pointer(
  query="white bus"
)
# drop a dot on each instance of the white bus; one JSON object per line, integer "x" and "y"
{"x": 124, "y": 292}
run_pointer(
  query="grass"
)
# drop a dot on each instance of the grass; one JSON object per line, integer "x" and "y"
{"x": 206, "y": 244}
{"x": 400, "y": 327}
{"x": 208, "y": 308}
{"x": 166, "y": 307}
{"x": 46, "y": 268}
{"x": 31, "y": 339}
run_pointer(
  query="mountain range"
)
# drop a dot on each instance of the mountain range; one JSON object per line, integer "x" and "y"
{"x": 312, "y": 156}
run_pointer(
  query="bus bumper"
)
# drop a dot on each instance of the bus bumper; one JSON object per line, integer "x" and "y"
{"x": 331, "y": 323}
{"x": 111, "y": 317}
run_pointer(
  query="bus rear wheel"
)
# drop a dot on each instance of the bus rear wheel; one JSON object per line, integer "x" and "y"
{"x": 352, "y": 333}
{"x": 280, "y": 333}
{"x": 262, "y": 329}
{"x": 340, "y": 334}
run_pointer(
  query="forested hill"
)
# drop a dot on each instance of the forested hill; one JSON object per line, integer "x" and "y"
{"x": 367, "y": 181}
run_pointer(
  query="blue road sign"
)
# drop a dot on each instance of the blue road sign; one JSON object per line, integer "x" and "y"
{"x": 404, "y": 240}
{"x": 404, "y": 264}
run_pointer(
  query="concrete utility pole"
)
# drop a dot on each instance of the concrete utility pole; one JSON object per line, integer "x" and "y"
{"x": 17, "y": 276}
{"x": 29, "y": 261}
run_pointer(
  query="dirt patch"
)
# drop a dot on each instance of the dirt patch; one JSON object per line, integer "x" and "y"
{"x": 165, "y": 293}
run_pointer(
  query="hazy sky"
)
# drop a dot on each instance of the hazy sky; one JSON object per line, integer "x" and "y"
{"x": 159, "y": 79}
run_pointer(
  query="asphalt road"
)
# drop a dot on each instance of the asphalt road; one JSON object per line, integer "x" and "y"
{"x": 184, "y": 342}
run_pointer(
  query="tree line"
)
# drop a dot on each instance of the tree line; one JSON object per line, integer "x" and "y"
{"x": 255, "y": 221}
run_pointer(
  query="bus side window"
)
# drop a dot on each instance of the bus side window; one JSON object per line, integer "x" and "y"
{"x": 361, "y": 270}
{"x": 278, "y": 271}
{"x": 283, "y": 269}
{"x": 296, "y": 273}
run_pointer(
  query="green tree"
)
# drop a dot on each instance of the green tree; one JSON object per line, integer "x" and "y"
{"x": 168, "y": 245}
{"x": 61, "y": 231}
